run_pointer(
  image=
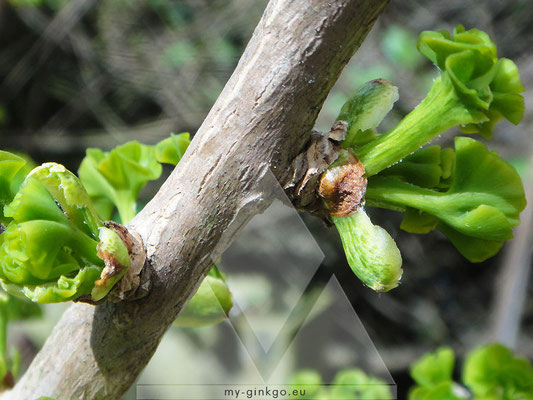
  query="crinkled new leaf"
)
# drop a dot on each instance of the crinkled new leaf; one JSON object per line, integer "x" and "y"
{"x": 477, "y": 212}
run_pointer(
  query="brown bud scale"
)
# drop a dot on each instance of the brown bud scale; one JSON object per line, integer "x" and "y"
{"x": 343, "y": 187}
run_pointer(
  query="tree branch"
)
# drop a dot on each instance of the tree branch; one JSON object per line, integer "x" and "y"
{"x": 260, "y": 122}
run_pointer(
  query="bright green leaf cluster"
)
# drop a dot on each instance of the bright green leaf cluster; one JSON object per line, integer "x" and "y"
{"x": 54, "y": 246}
{"x": 475, "y": 90}
{"x": 115, "y": 178}
{"x": 484, "y": 82}
{"x": 490, "y": 373}
{"x": 48, "y": 251}
{"x": 471, "y": 195}
{"x": 350, "y": 383}
{"x": 477, "y": 208}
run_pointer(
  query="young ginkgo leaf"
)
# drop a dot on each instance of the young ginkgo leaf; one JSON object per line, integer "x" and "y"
{"x": 115, "y": 178}
{"x": 475, "y": 90}
{"x": 48, "y": 252}
{"x": 477, "y": 211}
{"x": 172, "y": 149}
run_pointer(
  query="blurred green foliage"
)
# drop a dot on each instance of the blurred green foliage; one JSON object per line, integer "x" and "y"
{"x": 490, "y": 372}
{"x": 399, "y": 46}
{"x": 350, "y": 383}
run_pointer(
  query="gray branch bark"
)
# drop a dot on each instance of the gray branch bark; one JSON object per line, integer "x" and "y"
{"x": 260, "y": 122}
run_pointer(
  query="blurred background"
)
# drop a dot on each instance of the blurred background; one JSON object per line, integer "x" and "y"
{"x": 86, "y": 73}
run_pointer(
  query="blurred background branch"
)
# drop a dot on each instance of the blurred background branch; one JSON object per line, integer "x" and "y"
{"x": 511, "y": 287}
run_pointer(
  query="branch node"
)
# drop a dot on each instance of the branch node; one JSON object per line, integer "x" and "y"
{"x": 308, "y": 167}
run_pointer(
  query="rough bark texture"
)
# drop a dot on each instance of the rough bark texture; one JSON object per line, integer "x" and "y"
{"x": 259, "y": 123}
